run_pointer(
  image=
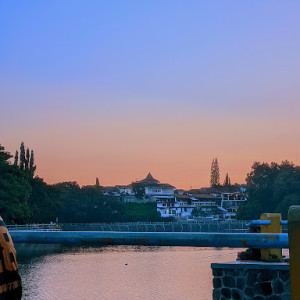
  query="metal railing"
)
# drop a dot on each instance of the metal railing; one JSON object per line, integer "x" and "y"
{"x": 34, "y": 227}
{"x": 190, "y": 239}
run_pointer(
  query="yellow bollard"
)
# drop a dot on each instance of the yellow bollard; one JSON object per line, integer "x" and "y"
{"x": 271, "y": 255}
{"x": 294, "y": 244}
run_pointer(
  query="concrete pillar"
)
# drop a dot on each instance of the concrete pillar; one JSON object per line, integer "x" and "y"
{"x": 294, "y": 244}
{"x": 272, "y": 255}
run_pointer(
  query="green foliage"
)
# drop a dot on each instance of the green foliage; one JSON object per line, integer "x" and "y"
{"x": 87, "y": 204}
{"x": 44, "y": 201}
{"x": 32, "y": 167}
{"x": 138, "y": 189}
{"x": 26, "y": 161}
{"x": 22, "y": 156}
{"x": 14, "y": 191}
{"x": 146, "y": 212}
{"x": 16, "y": 158}
{"x": 271, "y": 188}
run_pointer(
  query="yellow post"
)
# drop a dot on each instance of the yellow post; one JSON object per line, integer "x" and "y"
{"x": 294, "y": 244}
{"x": 271, "y": 255}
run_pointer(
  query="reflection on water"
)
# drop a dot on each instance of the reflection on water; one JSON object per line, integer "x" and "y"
{"x": 118, "y": 272}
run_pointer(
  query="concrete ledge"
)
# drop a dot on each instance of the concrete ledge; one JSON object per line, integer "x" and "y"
{"x": 251, "y": 265}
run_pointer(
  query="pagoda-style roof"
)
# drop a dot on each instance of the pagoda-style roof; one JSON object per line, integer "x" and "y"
{"x": 149, "y": 180}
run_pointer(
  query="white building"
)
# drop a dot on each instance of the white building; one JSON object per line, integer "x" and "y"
{"x": 152, "y": 187}
{"x": 183, "y": 206}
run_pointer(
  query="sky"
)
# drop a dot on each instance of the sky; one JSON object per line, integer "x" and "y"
{"x": 115, "y": 89}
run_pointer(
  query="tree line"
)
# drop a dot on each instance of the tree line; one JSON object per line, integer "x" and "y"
{"x": 25, "y": 198}
{"x": 271, "y": 188}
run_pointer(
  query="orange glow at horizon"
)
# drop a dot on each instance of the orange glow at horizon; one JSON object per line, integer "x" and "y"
{"x": 176, "y": 152}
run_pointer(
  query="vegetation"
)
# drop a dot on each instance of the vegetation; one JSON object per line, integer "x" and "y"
{"x": 87, "y": 204}
{"x": 15, "y": 190}
{"x": 227, "y": 181}
{"x": 25, "y": 198}
{"x": 145, "y": 212}
{"x": 271, "y": 188}
{"x": 214, "y": 173}
{"x": 138, "y": 189}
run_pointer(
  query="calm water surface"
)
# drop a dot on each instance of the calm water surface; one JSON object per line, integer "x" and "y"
{"x": 55, "y": 272}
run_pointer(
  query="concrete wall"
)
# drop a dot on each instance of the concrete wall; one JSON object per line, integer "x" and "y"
{"x": 251, "y": 280}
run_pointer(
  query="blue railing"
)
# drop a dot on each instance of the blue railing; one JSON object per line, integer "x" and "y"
{"x": 266, "y": 222}
{"x": 191, "y": 239}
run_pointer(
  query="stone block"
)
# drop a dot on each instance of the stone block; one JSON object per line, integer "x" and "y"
{"x": 217, "y": 283}
{"x": 226, "y": 293}
{"x": 265, "y": 275}
{"x": 229, "y": 281}
{"x": 251, "y": 277}
{"x": 249, "y": 291}
{"x": 216, "y": 294}
{"x": 284, "y": 275}
{"x": 240, "y": 283}
{"x": 217, "y": 272}
{"x": 264, "y": 288}
{"x": 277, "y": 286}
{"x": 275, "y": 297}
{"x": 236, "y": 294}
{"x": 285, "y": 296}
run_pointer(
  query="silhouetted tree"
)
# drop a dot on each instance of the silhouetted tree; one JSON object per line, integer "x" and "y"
{"x": 16, "y": 159}
{"x": 22, "y": 156}
{"x": 32, "y": 167}
{"x": 227, "y": 181}
{"x": 27, "y": 158}
{"x": 97, "y": 184}
{"x": 214, "y": 173}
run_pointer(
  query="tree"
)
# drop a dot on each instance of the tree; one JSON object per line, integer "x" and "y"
{"x": 214, "y": 173}
{"x": 14, "y": 191}
{"x": 44, "y": 201}
{"x": 87, "y": 204}
{"x": 271, "y": 188}
{"x": 97, "y": 183}
{"x": 227, "y": 181}
{"x": 16, "y": 158}
{"x": 138, "y": 189}
{"x": 32, "y": 167}
{"x": 27, "y": 158}
{"x": 22, "y": 156}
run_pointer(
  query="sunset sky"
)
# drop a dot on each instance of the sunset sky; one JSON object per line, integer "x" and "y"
{"x": 115, "y": 89}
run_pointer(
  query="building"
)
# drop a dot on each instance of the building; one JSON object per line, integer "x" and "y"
{"x": 152, "y": 188}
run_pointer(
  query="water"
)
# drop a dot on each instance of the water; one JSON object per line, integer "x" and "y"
{"x": 55, "y": 272}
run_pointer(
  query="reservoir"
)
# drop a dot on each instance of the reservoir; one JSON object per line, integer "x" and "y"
{"x": 56, "y": 272}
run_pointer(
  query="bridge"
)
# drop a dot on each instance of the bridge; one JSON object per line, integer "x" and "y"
{"x": 270, "y": 240}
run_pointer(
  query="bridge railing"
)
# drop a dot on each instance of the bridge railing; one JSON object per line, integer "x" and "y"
{"x": 34, "y": 227}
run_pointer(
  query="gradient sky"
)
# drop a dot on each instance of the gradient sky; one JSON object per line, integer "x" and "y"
{"x": 115, "y": 89}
